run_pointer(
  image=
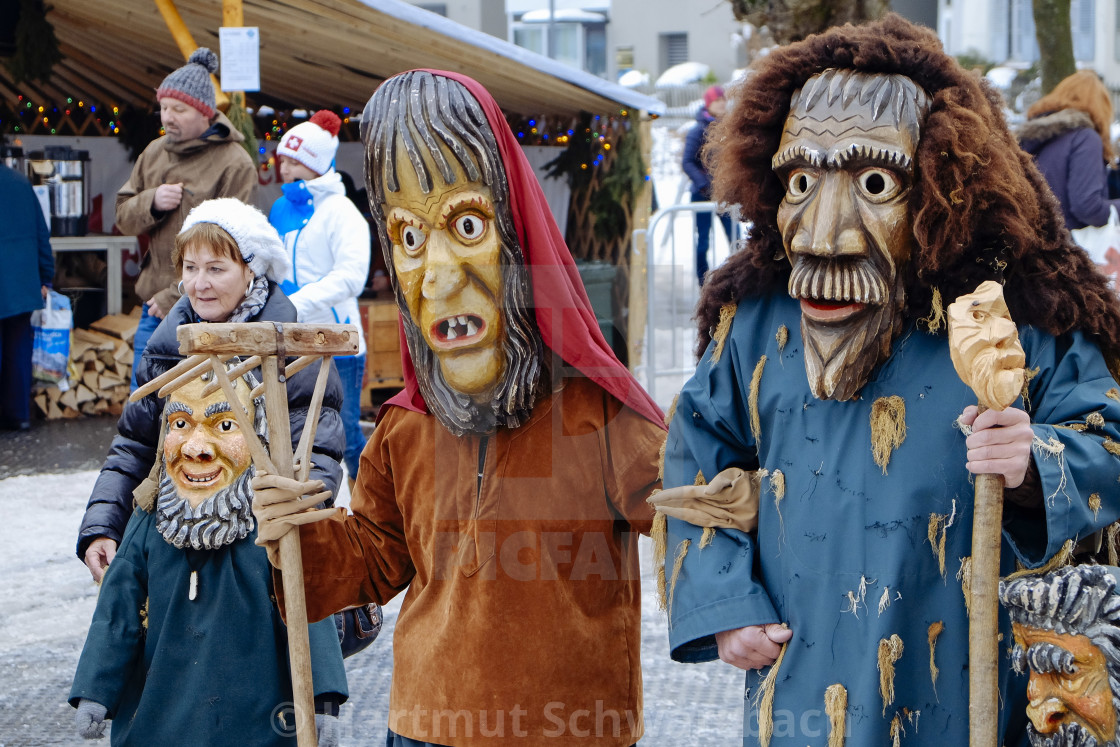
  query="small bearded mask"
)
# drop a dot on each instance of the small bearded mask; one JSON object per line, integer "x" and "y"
{"x": 204, "y": 450}
{"x": 847, "y": 160}
{"x": 984, "y": 346}
{"x": 1071, "y": 703}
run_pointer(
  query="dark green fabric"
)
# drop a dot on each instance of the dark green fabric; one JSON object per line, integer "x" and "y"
{"x": 842, "y": 523}
{"x": 212, "y": 671}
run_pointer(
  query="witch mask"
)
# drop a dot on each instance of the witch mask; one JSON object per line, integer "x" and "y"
{"x": 846, "y": 158}
{"x": 440, "y": 199}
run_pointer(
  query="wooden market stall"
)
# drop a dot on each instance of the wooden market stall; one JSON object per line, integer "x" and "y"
{"x": 333, "y": 54}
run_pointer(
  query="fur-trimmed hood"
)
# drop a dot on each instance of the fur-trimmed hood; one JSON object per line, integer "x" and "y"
{"x": 1034, "y": 133}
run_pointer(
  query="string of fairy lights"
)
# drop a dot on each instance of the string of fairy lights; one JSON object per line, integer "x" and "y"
{"x": 596, "y": 134}
{"x": 28, "y": 115}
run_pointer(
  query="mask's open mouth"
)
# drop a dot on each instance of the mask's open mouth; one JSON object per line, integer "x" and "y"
{"x": 203, "y": 479}
{"x": 830, "y": 311}
{"x": 459, "y": 330}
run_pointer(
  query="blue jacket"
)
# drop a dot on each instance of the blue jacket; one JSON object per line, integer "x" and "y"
{"x": 691, "y": 162}
{"x": 842, "y": 552}
{"x": 25, "y": 241}
{"x": 1068, "y": 151}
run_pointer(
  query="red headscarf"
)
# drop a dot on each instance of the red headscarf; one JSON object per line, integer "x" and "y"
{"x": 564, "y": 315}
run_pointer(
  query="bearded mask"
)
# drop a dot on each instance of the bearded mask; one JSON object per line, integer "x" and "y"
{"x": 440, "y": 200}
{"x": 205, "y": 499}
{"x": 847, "y": 160}
{"x": 1065, "y": 628}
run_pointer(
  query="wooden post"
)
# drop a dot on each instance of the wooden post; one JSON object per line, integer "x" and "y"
{"x": 639, "y": 273}
{"x": 272, "y": 343}
{"x": 980, "y": 323}
{"x": 185, "y": 41}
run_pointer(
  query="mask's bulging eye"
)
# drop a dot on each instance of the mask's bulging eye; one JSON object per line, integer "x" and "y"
{"x": 470, "y": 226}
{"x": 800, "y": 184}
{"x": 227, "y": 426}
{"x": 179, "y": 424}
{"x": 878, "y": 184}
{"x": 412, "y": 238}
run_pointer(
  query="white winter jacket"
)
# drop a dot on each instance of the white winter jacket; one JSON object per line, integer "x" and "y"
{"x": 330, "y": 258}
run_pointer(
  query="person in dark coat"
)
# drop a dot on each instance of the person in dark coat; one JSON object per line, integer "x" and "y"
{"x": 29, "y": 269}
{"x": 133, "y": 451}
{"x": 186, "y": 645}
{"x": 1067, "y": 133}
{"x": 715, "y": 104}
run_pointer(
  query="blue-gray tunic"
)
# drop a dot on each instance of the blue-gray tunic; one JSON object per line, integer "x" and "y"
{"x": 843, "y": 554}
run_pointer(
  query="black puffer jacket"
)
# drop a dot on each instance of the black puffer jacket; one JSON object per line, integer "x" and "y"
{"x": 133, "y": 451}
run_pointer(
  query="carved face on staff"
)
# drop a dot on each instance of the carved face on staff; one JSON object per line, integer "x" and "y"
{"x": 1065, "y": 631}
{"x": 984, "y": 346}
{"x": 439, "y": 196}
{"x": 205, "y": 499}
{"x": 847, "y": 161}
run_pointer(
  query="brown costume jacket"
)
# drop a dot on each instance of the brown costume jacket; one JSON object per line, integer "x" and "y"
{"x": 212, "y": 166}
{"x": 522, "y": 618}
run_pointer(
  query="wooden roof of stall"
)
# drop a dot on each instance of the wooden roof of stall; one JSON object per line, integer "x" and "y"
{"x": 314, "y": 54}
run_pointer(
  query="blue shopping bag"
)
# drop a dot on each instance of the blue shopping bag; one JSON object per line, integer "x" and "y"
{"x": 50, "y": 354}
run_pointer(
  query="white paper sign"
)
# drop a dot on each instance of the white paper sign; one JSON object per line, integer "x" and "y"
{"x": 240, "y": 58}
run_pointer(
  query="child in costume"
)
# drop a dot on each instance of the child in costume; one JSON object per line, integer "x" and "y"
{"x": 186, "y": 645}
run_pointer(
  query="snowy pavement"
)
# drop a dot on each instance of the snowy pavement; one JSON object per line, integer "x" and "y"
{"x": 48, "y": 600}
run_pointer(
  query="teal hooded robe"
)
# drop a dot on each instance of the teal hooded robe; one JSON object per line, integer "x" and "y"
{"x": 208, "y": 671}
{"x": 842, "y": 551}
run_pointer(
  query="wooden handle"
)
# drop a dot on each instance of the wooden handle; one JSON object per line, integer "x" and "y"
{"x": 983, "y": 621}
{"x": 291, "y": 560}
{"x": 263, "y": 338}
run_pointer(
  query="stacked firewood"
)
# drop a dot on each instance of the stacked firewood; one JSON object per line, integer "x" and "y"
{"x": 99, "y": 371}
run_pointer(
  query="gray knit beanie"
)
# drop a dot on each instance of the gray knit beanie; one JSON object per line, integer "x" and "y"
{"x": 191, "y": 83}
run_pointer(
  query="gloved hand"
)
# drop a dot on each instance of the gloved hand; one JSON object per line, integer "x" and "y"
{"x": 280, "y": 503}
{"x": 90, "y": 719}
{"x": 326, "y": 729}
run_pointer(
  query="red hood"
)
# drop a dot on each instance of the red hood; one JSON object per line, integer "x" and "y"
{"x": 564, "y": 314}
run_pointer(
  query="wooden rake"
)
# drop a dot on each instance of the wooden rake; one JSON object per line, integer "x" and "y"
{"x": 207, "y": 347}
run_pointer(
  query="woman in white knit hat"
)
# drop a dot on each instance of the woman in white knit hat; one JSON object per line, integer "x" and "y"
{"x": 327, "y": 241}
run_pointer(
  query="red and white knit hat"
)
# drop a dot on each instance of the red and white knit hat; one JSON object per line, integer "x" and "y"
{"x": 314, "y": 142}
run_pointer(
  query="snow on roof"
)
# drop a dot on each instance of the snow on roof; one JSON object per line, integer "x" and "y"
{"x": 682, "y": 74}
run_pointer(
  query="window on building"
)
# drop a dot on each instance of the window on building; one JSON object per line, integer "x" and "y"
{"x": 673, "y": 50}
{"x": 624, "y": 56}
{"x": 595, "y": 49}
{"x": 1017, "y": 22}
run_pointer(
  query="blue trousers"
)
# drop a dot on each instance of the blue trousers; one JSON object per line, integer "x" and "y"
{"x": 144, "y": 330}
{"x": 351, "y": 369}
{"x": 703, "y": 236}
{"x": 15, "y": 368}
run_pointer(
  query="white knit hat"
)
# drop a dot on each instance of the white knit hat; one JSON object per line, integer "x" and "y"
{"x": 260, "y": 245}
{"x": 314, "y": 142}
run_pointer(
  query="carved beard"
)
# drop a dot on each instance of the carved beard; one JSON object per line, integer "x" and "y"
{"x": 1069, "y": 734}
{"x": 220, "y": 520}
{"x": 840, "y": 356}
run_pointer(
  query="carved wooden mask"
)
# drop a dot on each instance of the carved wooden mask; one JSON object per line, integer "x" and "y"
{"x": 847, "y": 160}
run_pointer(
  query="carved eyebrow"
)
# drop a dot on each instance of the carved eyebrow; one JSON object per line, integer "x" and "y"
{"x": 800, "y": 153}
{"x": 174, "y": 407}
{"x": 870, "y": 153}
{"x": 216, "y": 408}
{"x": 466, "y": 200}
{"x": 400, "y": 215}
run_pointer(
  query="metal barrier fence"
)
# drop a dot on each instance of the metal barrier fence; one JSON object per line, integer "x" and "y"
{"x": 672, "y": 293}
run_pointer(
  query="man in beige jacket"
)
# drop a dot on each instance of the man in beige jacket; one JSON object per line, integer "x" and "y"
{"x": 201, "y": 156}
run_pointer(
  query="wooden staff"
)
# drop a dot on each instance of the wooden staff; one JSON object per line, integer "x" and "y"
{"x": 272, "y": 343}
{"x": 979, "y": 323}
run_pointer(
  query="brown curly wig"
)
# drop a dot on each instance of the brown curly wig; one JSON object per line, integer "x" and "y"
{"x": 981, "y": 209}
